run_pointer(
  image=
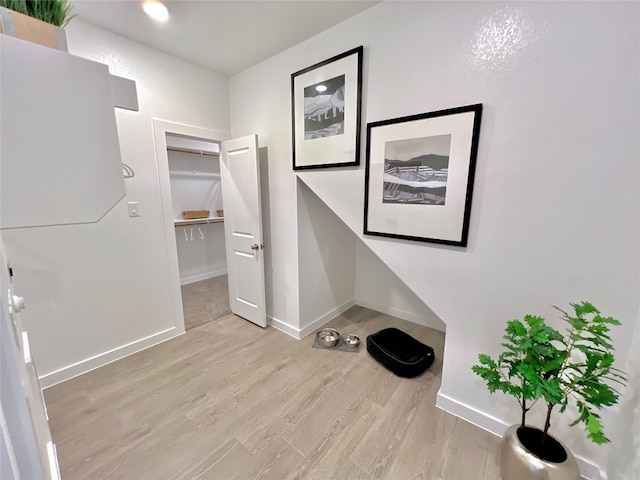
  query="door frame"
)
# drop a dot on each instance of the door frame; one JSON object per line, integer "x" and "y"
{"x": 160, "y": 130}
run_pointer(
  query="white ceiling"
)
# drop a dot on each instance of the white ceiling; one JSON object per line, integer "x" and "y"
{"x": 223, "y": 36}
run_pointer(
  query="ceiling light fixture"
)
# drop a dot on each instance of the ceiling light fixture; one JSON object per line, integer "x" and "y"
{"x": 156, "y": 10}
{"x": 321, "y": 88}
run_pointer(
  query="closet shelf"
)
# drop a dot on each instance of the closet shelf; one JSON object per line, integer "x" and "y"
{"x": 198, "y": 221}
{"x": 174, "y": 173}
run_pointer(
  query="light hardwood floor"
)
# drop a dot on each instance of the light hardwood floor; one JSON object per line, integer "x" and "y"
{"x": 205, "y": 300}
{"x": 229, "y": 400}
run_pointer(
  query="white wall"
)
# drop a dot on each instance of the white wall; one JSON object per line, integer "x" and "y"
{"x": 556, "y": 202}
{"x": 380, "y": 289}
{"x": 327, "y": 262}
{"x": 200, "y": 258}
{"x": 195, "y": 183}
{"x": 100, "y": 291}
{"x": 623, "y": 461}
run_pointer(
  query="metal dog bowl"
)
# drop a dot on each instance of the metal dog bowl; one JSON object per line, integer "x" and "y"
{"x": 328, "y": 337}
{"x": 352, "y": 340}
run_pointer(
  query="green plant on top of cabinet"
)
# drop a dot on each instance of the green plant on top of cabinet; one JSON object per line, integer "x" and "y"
{"x": 55, "y": 12}
{"x": 36, "y": 21}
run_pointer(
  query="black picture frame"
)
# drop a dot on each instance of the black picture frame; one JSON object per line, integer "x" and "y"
{"x": 419, "y": 175}
{"x": 326, "y": 126}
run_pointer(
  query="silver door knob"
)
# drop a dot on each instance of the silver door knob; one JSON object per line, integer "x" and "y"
{"x": 255, "y": 246}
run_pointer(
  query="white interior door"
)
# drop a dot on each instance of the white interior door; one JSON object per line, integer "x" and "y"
{"x": 240, "y": 172}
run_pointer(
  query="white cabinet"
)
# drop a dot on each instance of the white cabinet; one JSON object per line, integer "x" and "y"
{"x": 59, "y": 153}
{"x": 26, "y": 447}
{"x": 59, "y": 164}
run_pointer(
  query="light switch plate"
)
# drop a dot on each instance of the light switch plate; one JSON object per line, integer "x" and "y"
{"x": 134, "y": 209}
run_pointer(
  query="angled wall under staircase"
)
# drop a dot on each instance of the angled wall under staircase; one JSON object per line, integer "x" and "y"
{"x": 337, "y": 270}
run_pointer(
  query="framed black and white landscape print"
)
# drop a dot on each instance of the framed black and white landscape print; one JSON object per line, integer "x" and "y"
{"x": 419, "y": 175}
{"x": 326, "y": 100}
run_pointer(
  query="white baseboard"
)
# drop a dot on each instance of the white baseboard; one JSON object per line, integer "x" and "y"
{"x": 588, "y": 469}
{"x": 300, "y": 333}
{"x": 395, "y": 312}
{"x": 326, "y": 318}
{"x": 471, "y": 415}
{"x": 284, "y": 327}
{"x": 202, "y": 276}
{"x": 91, "y": 363}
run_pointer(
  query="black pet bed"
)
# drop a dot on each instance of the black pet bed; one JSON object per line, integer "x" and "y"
{"x": 399, "y": 352}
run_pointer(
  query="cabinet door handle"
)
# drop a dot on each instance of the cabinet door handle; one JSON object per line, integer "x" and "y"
{"x": 18, "y": 303}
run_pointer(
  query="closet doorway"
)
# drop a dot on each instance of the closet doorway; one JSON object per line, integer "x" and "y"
{"x": 198, "y": 213}
{"x": 190, "y": 183}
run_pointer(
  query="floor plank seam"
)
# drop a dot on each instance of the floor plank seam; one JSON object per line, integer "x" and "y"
{"x": 201, "y": 475}
{"x": 293, "y": 446}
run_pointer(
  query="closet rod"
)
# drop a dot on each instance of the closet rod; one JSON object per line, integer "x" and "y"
{"x": 193, "y": 150}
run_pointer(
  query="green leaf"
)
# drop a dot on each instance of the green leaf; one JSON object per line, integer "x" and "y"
{"x": 551, "y": 391}
{"x": 610, "y": 321}
{"x": 576, "y": 322}
{"x": 516, "y": 328}
{"x": 533, "y": 321}
{"x": 584, "y": 308}
{"x": 486, "y": 360}
{"x": 528, "y": 372}
{"x": 594, "y": 430}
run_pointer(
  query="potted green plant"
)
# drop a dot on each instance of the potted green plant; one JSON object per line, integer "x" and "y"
{"x": 540, "y": 363}
{"x": 37, "y": 21}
